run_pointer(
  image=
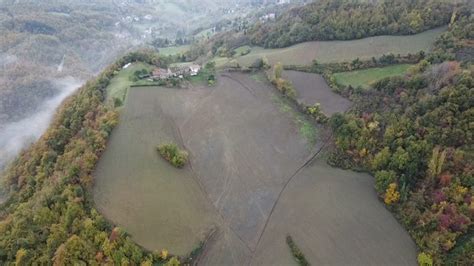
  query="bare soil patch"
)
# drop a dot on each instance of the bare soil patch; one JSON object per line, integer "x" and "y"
{"x": 159, "y": 205}
{"x": 312, "y": 88}
{"x": 247, "y": 176}
{"x": 336, "y": 219}
{"x": 243, "y": 148}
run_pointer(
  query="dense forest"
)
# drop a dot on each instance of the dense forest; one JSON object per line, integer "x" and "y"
{"x": 348, "y": 20}
{"x": 49, "y": 216}
{"x": 415, "y": 136}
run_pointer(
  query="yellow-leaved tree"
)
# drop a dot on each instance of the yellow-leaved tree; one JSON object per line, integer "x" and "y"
{"x": 391, "y": 194}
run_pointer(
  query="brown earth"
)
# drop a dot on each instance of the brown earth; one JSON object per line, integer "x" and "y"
{"x": 312, "y": 88}
{"x": 247, "y": 177}
{"x": 159, "y": 205}
{"x": 335, "y": 218}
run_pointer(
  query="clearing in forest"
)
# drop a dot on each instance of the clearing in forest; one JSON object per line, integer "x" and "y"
{"x": 247, "y": 177}
{"x": 364, "y": 78}
{"x": 341, "y": 51}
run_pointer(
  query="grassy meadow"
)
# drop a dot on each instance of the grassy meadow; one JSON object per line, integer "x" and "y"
{"x": 364, "y": 78}
{"x": 173, "y": 50}
{"x": 122, "y": 81}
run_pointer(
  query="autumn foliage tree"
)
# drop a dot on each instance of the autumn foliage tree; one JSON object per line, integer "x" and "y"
{"x": 414, "y": 135}
{"x": 49, "y": 217}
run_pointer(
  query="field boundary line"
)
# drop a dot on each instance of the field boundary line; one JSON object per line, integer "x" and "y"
{"x": 240, "y": 82}
{"x": 308, "y": 162}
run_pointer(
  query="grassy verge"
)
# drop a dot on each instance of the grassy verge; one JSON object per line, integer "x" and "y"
{"x": 307, "y": 129}
{"x": 205, "y": 77}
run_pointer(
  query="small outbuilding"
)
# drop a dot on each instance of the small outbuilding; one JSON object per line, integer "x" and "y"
{"x": 194, "y": 69}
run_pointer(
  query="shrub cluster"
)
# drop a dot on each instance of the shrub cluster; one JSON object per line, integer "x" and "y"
{"x": 296, "y": 252}
{"x": 316, "y": 113}
{"x": 283, "y": 85}
{"x": 171, "y": 153}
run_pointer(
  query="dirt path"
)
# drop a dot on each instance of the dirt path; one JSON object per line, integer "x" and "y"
{"x": 308, "y": 162}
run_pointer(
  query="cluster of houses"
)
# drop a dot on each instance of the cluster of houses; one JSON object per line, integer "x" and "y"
{"x": 267, "y": 17}
{"x": 175, "y": 72}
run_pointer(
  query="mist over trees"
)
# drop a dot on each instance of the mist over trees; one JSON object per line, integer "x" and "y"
{"x": 46, "y": 41}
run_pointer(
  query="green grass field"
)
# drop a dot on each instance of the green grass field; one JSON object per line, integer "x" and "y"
{"x": 122, "y": 81}
{"x": 242, "y": 50}
{"x": 364, "y": 78}
{"x": 173, "y": 50}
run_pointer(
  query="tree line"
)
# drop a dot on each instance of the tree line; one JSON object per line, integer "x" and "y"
{"x": 49, "y": 217}
{"x": 348, "y": 20}
{"x": 414, "y": 134}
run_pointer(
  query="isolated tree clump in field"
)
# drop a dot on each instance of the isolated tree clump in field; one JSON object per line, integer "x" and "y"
{"x": 171, "y": 153}
{"x": 296, "y": 252}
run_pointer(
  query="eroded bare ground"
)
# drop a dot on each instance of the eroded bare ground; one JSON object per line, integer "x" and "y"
{"x": 249, "y": 159}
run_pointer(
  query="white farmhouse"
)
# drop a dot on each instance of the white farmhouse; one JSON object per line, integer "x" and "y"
{"x": 194, "y": 69}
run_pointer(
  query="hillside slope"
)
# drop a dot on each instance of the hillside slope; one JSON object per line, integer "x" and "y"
{"x": 347, "y": 20}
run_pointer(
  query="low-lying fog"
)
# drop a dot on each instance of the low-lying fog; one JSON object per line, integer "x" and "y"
{"x": 74, "y": 48}
{"x": 17, "y": 135}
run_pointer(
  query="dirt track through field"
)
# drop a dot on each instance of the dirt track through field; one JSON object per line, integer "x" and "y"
{"x": 243, "y": 150}
{"x": 251, "y": 177}
{"x": 339, "y": 221}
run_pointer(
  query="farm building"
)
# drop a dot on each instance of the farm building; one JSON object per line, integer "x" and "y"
{"x": 178, "y": 71}
{"x": 161, "y": 73}
{"x": 194, "y": 69}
